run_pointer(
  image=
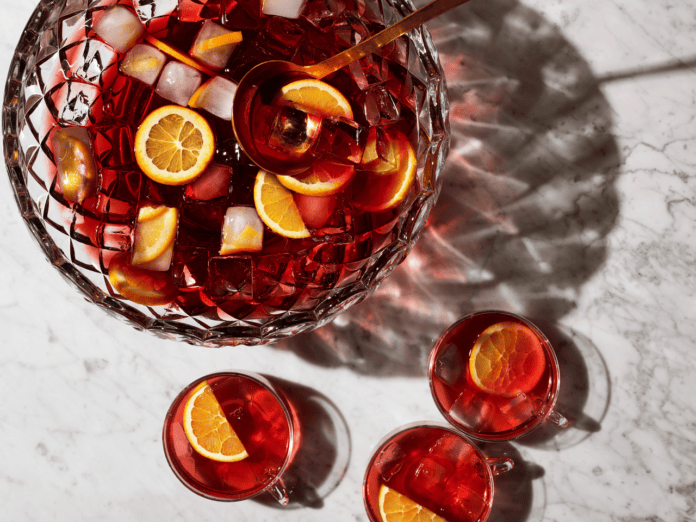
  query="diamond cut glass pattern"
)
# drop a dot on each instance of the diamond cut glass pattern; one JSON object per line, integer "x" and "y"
{"x": 64, "y": 74}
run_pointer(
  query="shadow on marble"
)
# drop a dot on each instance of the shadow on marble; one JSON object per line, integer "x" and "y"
{"x": 324, "y": 449}
{"x": 528, "y": 196}
{"x": 519, "y": 492}
{"x": 585, "y": 390}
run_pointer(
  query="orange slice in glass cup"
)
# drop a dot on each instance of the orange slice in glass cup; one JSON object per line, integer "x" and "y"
{"x": 145, "y": 287}
{"x": 395, "y": 507}
{"x": 208, "y": 430}
{"x": 507, "y": 359}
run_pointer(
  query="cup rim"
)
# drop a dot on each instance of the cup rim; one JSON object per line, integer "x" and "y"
{"x": 428, "y": 424}
{"x": 526, "y": 427}
{"x": 263, "y": 381}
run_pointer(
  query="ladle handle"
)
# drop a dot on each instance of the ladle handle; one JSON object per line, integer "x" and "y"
{"x": 391, "y": 33}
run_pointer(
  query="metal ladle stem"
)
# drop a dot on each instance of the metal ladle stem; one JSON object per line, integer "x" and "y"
{"x": 379, "y": 40}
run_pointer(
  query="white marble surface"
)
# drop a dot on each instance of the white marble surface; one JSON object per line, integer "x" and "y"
{"x": 593, "y": 234}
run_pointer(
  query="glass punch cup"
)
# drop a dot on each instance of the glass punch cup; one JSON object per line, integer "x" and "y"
{"x": 228, "y": 436}
{"x": 430, "y": 471}
{"x": 495, "y": 376}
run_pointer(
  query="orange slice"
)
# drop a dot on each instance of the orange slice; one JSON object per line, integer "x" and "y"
{"x": 395, "y": 507}
{"x": 315, "y": 97}
{"x": 207, "y": 428}
{"x": 177, "y": 54}
{"x": 507, "y": 359}
{"x": 141, "y": 286}
{"x": 372, "y": 161}
{"x": 154, "y": 232}
{"x": 217, "y": 41}
{"x": 324, "y": 178}
{"x": 378, "y": 190}
{"x": 194, "y": 101}
{"x": 174, "y": 145}
{"x": 276, "y": 207}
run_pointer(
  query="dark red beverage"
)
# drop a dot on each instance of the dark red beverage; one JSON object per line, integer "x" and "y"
{"x": 479, "y": 413}
{"x": 262, "y": 421}
{"x": 434, "y": 466}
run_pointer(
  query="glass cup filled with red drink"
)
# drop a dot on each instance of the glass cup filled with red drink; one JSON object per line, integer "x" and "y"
{"x": 230, "y": 435}
{"x": 430, "y": 471}
{"x": 494, "y": 375}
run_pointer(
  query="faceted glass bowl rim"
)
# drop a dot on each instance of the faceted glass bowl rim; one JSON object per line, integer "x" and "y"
{"x": 220, "y": 335}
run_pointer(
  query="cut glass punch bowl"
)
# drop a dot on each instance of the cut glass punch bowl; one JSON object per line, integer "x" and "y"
{"x": 59, "y": 77}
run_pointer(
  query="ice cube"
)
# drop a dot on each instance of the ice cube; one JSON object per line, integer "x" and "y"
{"x": 343, "y": 139}
{"x": 453, "y": 449}
{"x": 389, "y": 461}
{"x": 144, "y": 62}
{"x": 450, "y": 365}
{"x": 77, "y": 170}
{"x": 430, "y": 475}
{"x": 230, "y": 279}
{"x": 213, "y": 183}
{"x": 519, "y": 409}
{"x": 242, "y": 231}
{"x": 472, "y": 411}
{"x": 155, "y": 14}
{"x": 216, "y": 97}
{"x": 119, "y": 27}
{"x": 294, "y": 131}
{"x": 214, "y": 44}
{"x": 77, "y": 103}
{"x": 379, "y": 108}
{"x": 284, "y": 8}
{"x": 155, "y": 229}
{"x": 178, "y": 82}
{"x": 93, "y": 61}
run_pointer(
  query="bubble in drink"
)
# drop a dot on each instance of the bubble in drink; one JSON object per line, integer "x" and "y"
{"x": 178, "y": 82}
{"x": 294, "y": 131}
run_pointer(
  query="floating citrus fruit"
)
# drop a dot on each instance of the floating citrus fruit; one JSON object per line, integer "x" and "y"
{"x": 174, "y": 145}
{"x": 144, "y": 287}
{"x": 316, "y": 97}
{"x": 155, "y": 232}
{"x": 276, "y": 207}
{"x": 207, "y": 428}
{"x": 395, "y": 507}
{"x": 384, "y": 188}
{"x": 323, "y": 178}
{"x": 177, "y": 54}
{"x": 507, "y": 359}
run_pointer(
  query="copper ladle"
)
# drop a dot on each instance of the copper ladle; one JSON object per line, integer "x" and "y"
{"x": 266, "y": 78}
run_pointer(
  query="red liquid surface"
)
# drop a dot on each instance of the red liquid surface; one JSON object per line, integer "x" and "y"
{"x": 288, "y": 274}
{"x": 435, "y": 468}
{"x": 258, "y": 418}
{"x": 477, "y": 412}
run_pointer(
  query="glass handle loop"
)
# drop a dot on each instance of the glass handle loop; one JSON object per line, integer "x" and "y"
{"x": 500, "y": 465}
{"x": 558, "y": 419}
{"x": 279, "y": 493}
